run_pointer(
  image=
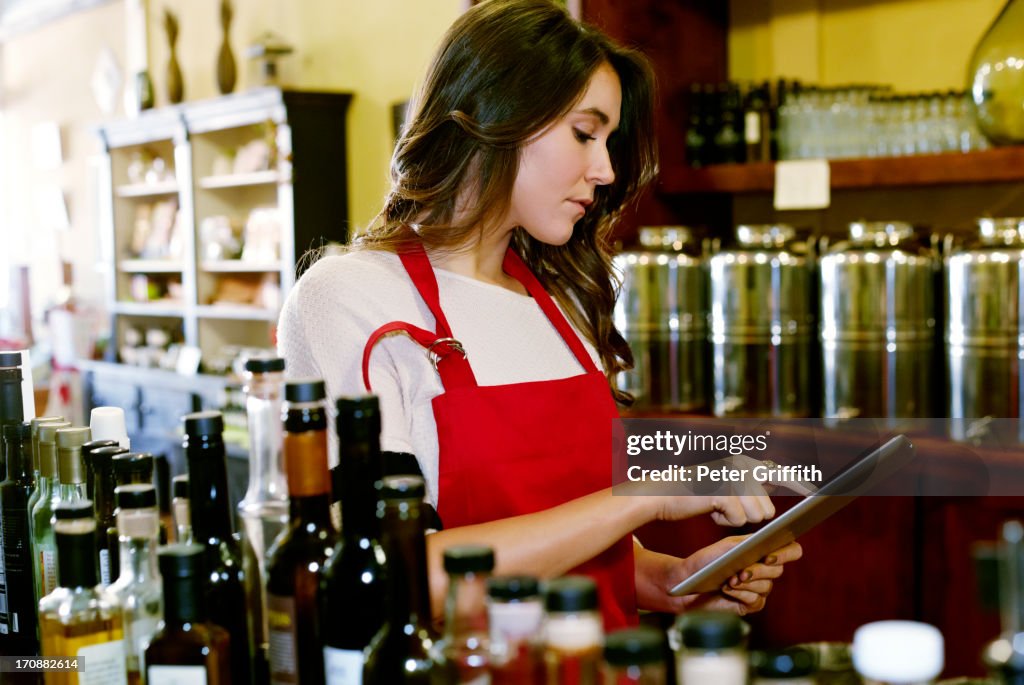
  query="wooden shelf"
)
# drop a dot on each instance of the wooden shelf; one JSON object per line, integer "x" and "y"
{"x": 238, "y": 266}
{"x": 256, "y": 178}
{"x": 148, "y": 309}
{"x": 236, "y": 312}
{"x": 149, "y": 266}
{"x": 987, "y": 166}
{"x": 147, "y": 189}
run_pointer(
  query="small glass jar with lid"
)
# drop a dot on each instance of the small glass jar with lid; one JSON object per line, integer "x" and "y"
{"x": 635, "y": 656}
{"x": 710, "y": 647}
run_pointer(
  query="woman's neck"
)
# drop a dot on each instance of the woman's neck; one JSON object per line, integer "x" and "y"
{"x": 481, "y": 261}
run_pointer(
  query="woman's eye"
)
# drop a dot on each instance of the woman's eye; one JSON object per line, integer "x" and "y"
{"x": 581, "y": 136}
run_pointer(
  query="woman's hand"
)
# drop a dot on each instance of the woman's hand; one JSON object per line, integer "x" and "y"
{"x": 725, "y": 510}
{"x": 744, "y": 593}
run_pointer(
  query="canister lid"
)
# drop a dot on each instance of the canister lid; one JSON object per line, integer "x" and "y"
{"x": 665, "y": 237}
{"x": 881, "y": 233}
{"x": 305, "y": 390}
{"x": 634, "y": 647}
{"x": 264, "y": 364}
{"x": 711, "y": 630}
{"x": 469, "y": 559}
{"x": 571, "y": 594}
{"x": 764, "y": 235}
{"x": 1001, "y": 231}
{"x": 513, "y": 588}
{"x": 203, "y": 423}
{"x": 898, "y": 651}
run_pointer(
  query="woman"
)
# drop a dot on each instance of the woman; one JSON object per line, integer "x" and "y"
{"x": 528, "y": 136}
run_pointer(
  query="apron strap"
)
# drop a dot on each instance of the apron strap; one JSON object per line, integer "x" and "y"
{"x": 515, "y": 266}
{"x": 446, "y": 354}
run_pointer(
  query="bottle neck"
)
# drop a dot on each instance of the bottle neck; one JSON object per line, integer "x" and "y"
{"x": 360, "y": 471}
{"x": 138, "y": 560}
{"x": 71, "y": 492}
{"x": 183, "y": 601}
{"x": 103, "y": 491}
{"x": 406, "y": 548}
{"x": 18, "y": 467}
{"x": 465, "y": 609}
{"x": 312, "y": 511}
{"x": 208, "y": 490}
{"x": 12, "y": 409}
{"x": 266, "y": 468}
{"x": 76, "y": 558}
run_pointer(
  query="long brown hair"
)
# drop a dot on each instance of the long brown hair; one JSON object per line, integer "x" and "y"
{"x": 506, "y": 70}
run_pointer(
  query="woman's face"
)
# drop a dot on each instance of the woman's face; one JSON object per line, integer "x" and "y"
{"x": 560, "y": 168}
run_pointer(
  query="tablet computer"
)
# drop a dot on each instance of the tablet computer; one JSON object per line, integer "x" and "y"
{"x": 857, "y": 479}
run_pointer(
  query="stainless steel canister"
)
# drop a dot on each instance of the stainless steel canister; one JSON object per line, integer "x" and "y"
{"x": 762, "y": 324}
{"x": 983, "y": 282}
{"x": 661, "y": 313}
{"x": 878, "y": 323}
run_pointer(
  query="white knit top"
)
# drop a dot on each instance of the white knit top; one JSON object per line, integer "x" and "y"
{"x": 335, "y": 306}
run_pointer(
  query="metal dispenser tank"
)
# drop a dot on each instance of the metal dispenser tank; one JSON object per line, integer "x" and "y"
{"x": 762, "y": 324}
{"x": 983, "y": 282}
{"x": 661, "y": 312}
{"x": 878, "y": 324}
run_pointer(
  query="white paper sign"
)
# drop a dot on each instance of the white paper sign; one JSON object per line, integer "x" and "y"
{"x": 802, "y": 184}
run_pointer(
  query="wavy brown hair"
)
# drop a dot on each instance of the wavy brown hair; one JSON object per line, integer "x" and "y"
{"x": 506, "y": 70}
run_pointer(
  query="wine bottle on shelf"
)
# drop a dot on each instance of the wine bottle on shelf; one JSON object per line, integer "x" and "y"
{"x": 15, "y": 544}
{"x": 44, "y": 544}
{"x": 187, "y": 648}
{"x": 296, "y": 557}
{"x": 210, "y": 511}
{"x": 36, "y": 476}
{"x": 180, "y": 509}
{"x": 464, "y": 651}
{"x": 102, "y": 459}
{"x": 79, "y": 618}
{"x": 264, "y": 509}
{"x": 352, "y": 584}
{"x": 128, "y": 468}
{"x": 404, "y": 655}
{"x": 138, "y": 588}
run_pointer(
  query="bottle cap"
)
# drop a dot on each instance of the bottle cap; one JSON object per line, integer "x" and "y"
{"x": 78, "y": 509}
{"x": 72, "y": 438}
{"x": 180, "y": 486}
{"x": 264, "y": 364}
{"x": 93, "y": 445}
{"x": 402, "y": 487}
{"x": 305, "y": 390}
{"x": 794, "y": 662}
{"x": 711, "y": 630}
{"x": 48, "y": 431}
{"x": 513, "y": 588}
{"x": 107, "y": 423}
{"x": 10, "y": 359}
{"x": 571, "y": 594}
{"x": 180, "y": 560}
{"x": 101, "y": 457}
{"x": 898, "y": 651}
{"x": 469, "y": 559}
{"x": 135, "y": 496}
{"x": 133, "y": 463}
{"x": 203, "y": 423}
{"x": 357, "y": 409}
{"x": 634, "y": 647}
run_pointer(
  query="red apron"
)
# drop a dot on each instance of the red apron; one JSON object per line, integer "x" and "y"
{"x": 507, "y": 450}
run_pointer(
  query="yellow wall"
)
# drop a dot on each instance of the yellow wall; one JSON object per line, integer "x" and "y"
{"x": 376, "y": 49}
{"x": 915, "y": 45}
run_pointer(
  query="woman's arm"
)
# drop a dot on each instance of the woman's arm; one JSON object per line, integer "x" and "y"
{"x": 551, "y": 542}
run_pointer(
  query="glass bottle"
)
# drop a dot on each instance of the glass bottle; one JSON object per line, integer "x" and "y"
{"x": 70, "y": 467}
{"x": 404, "y": 656}
{"x": 180, "y": 509}
{"x": 90, "y": 467}
{"x": 127, "y": 468}
{"x": 464, "y": 649}
{"x": 353, "y": 580}
{"x": 15, "y": 544}
{"x": 36, "y": 476}
{"x": 187, "y": 648}
{"x": 515, "y": 612}
{"x": 710, "y": 649}
{"x": 211, "y": 527}
{"x": 296, "y": 557}
{"x": 898, "y": 653}
{"x": 44, "y": 544}
{"x": 138, "y": 588}
{"x": 996, "y": 85}
{"x": 635, "y": 656}
{"x": 572, "y": 632}
{"x": 102, "y": 459}
{"x": 264, "y": 509}
{"x": 79, "y": 618}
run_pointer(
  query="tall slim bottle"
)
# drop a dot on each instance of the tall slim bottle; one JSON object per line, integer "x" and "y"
{"x": 103, "y": 495}
{"x": 138, "y": 589}
{"x": 79, "y": 618}
{"x": 264, "y": 509}
{"x": 36, "y": 476}
{"x": 90, "y": 465}
{"x": 211, "y": 527}
{"x": 129, "y": 468}
{"x": 187, "y": 649}
{"x": 405, "y": 654}
{"x": 353, "y": 581}
{"x": 44, "y": 544}
{"x": 296, "y": 557}
{"x": 70, "y": 467}
{"x": 19, "y": 617}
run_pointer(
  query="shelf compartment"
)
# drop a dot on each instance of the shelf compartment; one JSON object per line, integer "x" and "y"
{"x": 238, "y": 266}
{"x": 269, "y": 177}
{"x": 149, "y": 266}
{"x": 986, "y": 166}
{"x": 147, "y": 189}
{"x": 148, "y": 309}
{"x": 236, "y": 312}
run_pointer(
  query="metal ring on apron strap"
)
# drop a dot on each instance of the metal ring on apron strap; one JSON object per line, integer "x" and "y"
{"x": 452, "y": 343}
